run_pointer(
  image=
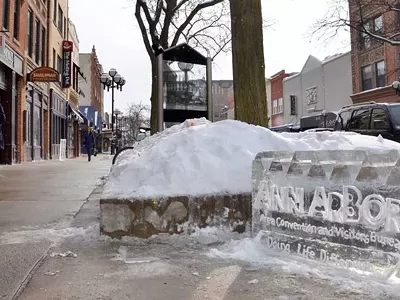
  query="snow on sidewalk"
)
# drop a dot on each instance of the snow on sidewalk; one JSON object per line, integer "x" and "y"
{"x": 198, "y": 157}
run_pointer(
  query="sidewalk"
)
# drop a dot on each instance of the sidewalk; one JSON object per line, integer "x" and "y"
{"x": 40, "y": 196}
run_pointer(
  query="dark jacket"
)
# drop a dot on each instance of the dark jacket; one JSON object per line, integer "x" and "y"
{"x": 2, "y": 123}
{"x": 89, "y": 140}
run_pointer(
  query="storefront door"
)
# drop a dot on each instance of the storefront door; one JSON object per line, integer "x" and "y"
{"x": 29, "y": 131}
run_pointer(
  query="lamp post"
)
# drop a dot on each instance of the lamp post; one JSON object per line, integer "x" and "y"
{"x": 112, "y": 80}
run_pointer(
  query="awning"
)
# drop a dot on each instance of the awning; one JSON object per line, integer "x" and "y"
{"x": 76, "y": 114}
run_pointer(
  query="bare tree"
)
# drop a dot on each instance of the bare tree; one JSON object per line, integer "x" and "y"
{"x": 202, "y": 24}
{"x": 138, "y": 115}
{"x": 338, "y": 19}
{"x": 248, "y": 62}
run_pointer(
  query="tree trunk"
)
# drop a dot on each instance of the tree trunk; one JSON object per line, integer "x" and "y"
{"x": 154, "y": 105}
{"x": 248, "y": 62}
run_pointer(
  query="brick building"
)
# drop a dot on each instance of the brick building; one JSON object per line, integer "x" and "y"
{"x": 36, "y": 104}
{"x": 13, "y": 20}
{"x": 276, "y": 102}
{"x": 375, "y": 65}
{"x": 91, "y": 100}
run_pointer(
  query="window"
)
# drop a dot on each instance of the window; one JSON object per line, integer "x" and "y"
{"x": 378, "y": 25}
{"x": 378, "y": 119}
{"x": 366, "y": 77}
{"x": 275, "y": 107}
{"x": 280, "y": 105}
{"x": 37, "y": 123}
{"x": 43, "y": 48}
{"x": 60, "y": 19}
{"x": 55, "y": 11}
{"x": 360, "y": 120}
{"x": 380, "y": 74}
{"x": 6, "y": 14}
{"x": 17, "y": 6}
{"x": 54, "y": 59}
{"x": 37, "y": 42}
{"x": 293, "y": 108}
{"x": 65, "y": 28}
{"x": 365, "y": 40}
{"x": 59, "y": 64}
{"x": 30, "y": 33}
{"x": 343, "y": 118}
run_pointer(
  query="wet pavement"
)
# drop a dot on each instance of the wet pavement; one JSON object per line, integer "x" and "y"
{"x": 39, "y": 196}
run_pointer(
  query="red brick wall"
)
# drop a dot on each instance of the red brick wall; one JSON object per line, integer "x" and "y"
{"x": 96, "y": 88}
{"x": 376, "y": 52}
{"x": 277, "y": 93}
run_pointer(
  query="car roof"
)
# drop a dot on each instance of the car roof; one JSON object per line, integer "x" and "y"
{"x": 370, "y": 104}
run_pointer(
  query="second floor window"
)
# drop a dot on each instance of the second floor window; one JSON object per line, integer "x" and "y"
{"x": 366, "y": 77}
{"x": 54, "y": 59}
{"x": 59, "y": 64}
{"x": 60, "y": 19}
{"x": 30, "y": 33}
{"x": 37, "y": 42}
{"x": 43, "y": 48}
{"x": 55, "y": 11}
{"x": 6, "y": 14}
{"x": 380, "y": 70}
{"x": 16, "y": 18}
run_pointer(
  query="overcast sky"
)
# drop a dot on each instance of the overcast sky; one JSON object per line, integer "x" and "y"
{"x": 111, "y": 26}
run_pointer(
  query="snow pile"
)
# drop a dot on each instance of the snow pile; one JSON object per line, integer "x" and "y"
{"x": 199, "y": 157}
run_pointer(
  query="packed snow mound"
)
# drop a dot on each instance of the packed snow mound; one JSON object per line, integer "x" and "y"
{"x": 198, "y": 157}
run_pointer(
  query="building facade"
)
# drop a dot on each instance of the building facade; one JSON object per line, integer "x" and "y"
{"x": 375, "y": 64}
{"x": 73, "y": 116}
{"x": 13, "y": 42}
{"x": 276, "y": 95}
{"x": 37, "y": 144}
{"x": 320, "y": 86}
{"x": 57, "y": 33}
{"x": 91, "y": 100}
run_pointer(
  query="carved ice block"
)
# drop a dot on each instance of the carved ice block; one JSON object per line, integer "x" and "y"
{"x": 339, "y": 207}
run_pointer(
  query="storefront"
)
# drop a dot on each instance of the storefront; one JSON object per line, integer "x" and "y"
{"x": 11, "y": 73}
{"x": 73, "y": 141}
{"x": 36, "y": 118}
{"x": 58, "y": 122}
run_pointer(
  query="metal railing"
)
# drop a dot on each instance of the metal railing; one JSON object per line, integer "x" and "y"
{"x": 120, "y": 151}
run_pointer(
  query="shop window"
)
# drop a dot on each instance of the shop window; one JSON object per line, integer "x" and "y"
{"x": 37, "y": 125}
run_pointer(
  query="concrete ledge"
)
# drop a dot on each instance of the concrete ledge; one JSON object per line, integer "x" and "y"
{"x": 174, "y": 215}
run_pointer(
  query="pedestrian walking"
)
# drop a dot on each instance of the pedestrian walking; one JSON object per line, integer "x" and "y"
{"x": 89, "y": 142}
{"x": 2, "y": 123}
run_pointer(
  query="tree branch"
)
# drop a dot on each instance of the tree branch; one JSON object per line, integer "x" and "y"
{"x": 143, "y": 29}
{"x": 198, "y": 8}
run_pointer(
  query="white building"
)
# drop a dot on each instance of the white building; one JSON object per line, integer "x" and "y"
{"x": 320, "y": 86}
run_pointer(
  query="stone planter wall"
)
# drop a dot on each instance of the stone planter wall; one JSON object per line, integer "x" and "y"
{"x": 174, "y": 215}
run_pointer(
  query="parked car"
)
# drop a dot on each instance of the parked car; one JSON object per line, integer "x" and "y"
{"x": 319, "y": 129}
{"x": 371, "y": 118}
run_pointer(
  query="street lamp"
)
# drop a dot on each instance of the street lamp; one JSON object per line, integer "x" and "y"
{"x": 112, "y": 80}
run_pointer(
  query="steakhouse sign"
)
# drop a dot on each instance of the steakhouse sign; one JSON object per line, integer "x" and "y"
{"x": 67, "y": 64}
{"x": 334, "y": 206}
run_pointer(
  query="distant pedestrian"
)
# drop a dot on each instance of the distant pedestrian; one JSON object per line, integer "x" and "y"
{"x": 2, "y": 123}
{"x": 89, "y": 142}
